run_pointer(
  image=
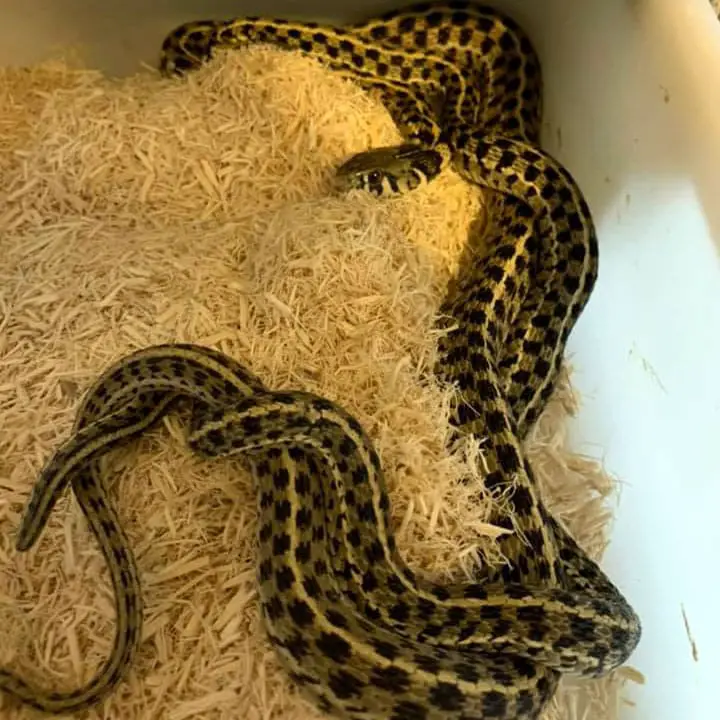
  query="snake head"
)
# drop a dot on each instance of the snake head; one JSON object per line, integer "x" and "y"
{"x": 392, "y": 170}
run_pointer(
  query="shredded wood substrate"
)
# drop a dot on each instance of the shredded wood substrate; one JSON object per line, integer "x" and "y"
{"x": 147, "y": 210}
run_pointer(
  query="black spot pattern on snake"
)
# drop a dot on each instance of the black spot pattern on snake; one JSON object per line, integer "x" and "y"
{"x": 386, "y": 649}
{"x": 303, "y": 518}
{"x": 312, "y": 587}
{"x": 265, "y": 532}
{"x": 508, "y": 458}
{"x": 494, "y": 705}
{"x": 334, "y": 647}
{"x": 320, "y": 567}
{"x": 391, "y": 678}
{"x": 283, "y": 511}
{"x": 427, "y": 663}
{"x": 280, "y": 544}
{"x": 396, "y": 585}
{"x": 369, "y": 582}
{"x": 425, "y": 608}
{"x": 300, "y": 613}
{"x": 446, "y": 696}
{"x": 265, "y": 570}
{"x": 297, "y": 646}
{"x": 522, "y": 500}
{"x": 274, "y": 608}
{"x": 400, "y": 612}
{"x": 525, "y": 703}
{"x": 345, "y": 685}
{"x": 467, "y": 672}
{"x": 431, "y": 630}
{"x": 303, "y": 552}
{"x": 375, "y": 552}
{"x": 284, "y": 579}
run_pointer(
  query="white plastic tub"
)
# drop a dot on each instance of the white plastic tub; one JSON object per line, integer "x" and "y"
{"x": 633, "y": 109}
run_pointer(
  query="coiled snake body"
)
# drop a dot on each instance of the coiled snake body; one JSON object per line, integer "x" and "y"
{"x": 353, "y": 625}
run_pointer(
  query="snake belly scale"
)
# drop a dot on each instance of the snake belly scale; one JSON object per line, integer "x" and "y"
{"x": 352, "y": 623}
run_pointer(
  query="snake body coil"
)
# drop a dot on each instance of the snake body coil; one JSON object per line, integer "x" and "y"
{"x": 352, "y": 623}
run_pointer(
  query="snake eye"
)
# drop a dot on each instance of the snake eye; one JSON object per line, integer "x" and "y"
{"x": 374, "y": 177}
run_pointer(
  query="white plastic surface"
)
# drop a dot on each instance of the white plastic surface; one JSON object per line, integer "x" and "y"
{"x": 633, "y": 110}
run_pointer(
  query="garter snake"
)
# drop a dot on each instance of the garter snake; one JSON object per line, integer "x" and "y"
{"x": 122, "y": 404}
{"x": 354, "y": 626}
{"x": 349, "y": 619}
